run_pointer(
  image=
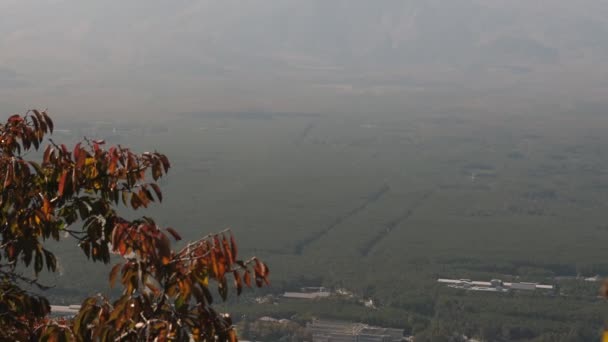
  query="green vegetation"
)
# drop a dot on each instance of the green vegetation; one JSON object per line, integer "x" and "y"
{"x": 384, "y": 204}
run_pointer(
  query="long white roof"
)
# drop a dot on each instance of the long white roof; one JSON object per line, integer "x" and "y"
{"x": 487, "y": 283}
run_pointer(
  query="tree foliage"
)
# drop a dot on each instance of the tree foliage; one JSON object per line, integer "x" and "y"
{"x": 76, "y": 192}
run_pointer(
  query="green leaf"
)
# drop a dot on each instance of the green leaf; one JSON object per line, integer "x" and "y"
{"x": 36, "y": 167}
{"x": 38, "y": 264}
{"x": 180, "y": 301}
{"x": 51, "y": 261}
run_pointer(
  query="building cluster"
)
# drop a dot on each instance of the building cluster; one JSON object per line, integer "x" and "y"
{"x": 495, "y": 285}
{"x": 336, "y": 331}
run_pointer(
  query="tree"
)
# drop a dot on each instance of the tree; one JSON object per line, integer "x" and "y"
{"x": 166, "y": 294}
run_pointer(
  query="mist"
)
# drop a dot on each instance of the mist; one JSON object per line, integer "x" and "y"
{"x": 156, "y": 59}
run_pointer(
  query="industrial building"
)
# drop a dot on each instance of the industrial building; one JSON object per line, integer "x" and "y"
{"x": 306, "y": 295}
{"x": 64, "y": 310}
{"x": 337, "y": 331}
{"x": 309, "y": 293}
{"x": 495, "y": 285}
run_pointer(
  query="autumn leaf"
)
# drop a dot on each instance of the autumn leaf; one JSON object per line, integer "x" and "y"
{"x": 82, "y": 185}
{"x": 157, "y": 191}
{"x": 173, "y": 233}
{"x": 46, "y": 207}
{"x": 49, "y": 122}
{"x": 62, "y": 180}
{"x": 238, "y": 282}
{"x": 247, "y": 278}
{"x": 113, "y": 274}
{"x": 233, "y": 246}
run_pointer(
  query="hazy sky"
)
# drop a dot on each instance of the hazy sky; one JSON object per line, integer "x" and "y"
{"x": 151, "y": 58}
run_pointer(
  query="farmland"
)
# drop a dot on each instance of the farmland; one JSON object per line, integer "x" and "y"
{"x": 384, "y": 204}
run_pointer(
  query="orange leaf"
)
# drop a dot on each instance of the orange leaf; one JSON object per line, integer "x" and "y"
{"x": 232, "y": 336}
{"x": 112, "y": 167}
{"x": 62, "y": 180}
{"x": 122, "y": 248}
{"x": 113, "y": 274}
{"x": 46, "y": 207}
{"x": 227, "y": 250}
{"x": 214, "y": 264}
{"x": 247, "y": 278}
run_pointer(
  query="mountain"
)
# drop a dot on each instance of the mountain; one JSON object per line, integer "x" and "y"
{"x": 302, "y": 55}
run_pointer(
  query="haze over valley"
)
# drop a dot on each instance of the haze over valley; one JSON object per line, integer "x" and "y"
{"x": 366, "y": 146}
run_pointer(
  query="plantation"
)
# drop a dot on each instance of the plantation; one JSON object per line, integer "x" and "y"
{"x": 383, "y": 207}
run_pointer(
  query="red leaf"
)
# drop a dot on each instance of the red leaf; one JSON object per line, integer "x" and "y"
{"x": 233, "y": 246}
{"x": 173, "y": 233}
{"x": 47, "y": 154}
{"x": 35, "y": 122}
{"x": 135, "y": 201}
{"x": 165, "y": 162}
{"x": 116, "y": 237}
{"x": 76, "y": 152}
{"x": 41, "y": 120}
{"x": 15, "y": 118}
{"x": 157, "y": 191}
{"x": 258, "y": 269}
{"x": 48, "y": 120}
{"x": 81, "y": 159}
{"x": 143, "y": 196}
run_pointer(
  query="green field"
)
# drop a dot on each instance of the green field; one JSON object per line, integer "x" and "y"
{"x": 384, "y": 204}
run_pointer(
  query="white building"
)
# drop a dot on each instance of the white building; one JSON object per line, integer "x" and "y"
{"x": 496, "y": 285}
{"x": 306, "y": 295}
